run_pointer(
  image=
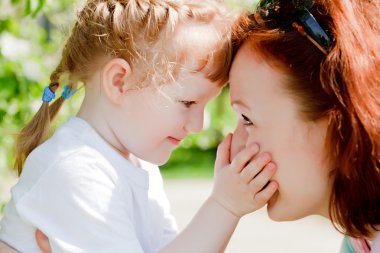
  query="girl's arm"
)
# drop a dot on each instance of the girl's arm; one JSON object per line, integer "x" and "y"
{"x": 4, "y": 248}
{"x": 241, "y": 186}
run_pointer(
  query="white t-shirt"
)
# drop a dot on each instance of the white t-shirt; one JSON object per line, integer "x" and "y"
{"x": 86, "y": 197}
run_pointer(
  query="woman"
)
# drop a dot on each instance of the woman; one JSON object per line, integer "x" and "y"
{"x": 305, "y": 82}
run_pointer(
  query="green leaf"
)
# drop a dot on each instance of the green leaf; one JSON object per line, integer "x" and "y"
{"x": 39, "y": 7}
{"x": 14, "y": 2}
{"x": 28, "y": 7}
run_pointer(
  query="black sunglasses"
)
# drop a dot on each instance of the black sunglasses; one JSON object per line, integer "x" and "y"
{"x": 296, "y": 13}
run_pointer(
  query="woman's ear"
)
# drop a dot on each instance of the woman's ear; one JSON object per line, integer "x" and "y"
{"x": 116, "y": 79}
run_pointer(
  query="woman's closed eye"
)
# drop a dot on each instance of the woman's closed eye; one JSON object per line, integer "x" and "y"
{"x": 247, "y": 121}
{"x": 188, "y": 104}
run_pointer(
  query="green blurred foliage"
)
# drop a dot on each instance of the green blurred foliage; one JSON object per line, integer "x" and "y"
{"x": 31, "y": 36}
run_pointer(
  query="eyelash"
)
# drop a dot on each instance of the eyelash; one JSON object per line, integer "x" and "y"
{"x": 188, "y": 104}
{"x": 247, "y": 121}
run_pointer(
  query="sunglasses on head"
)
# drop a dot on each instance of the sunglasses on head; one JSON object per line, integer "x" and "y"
{"x": 285, "y": 13}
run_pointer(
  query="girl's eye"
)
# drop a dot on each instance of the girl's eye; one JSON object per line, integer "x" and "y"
{"x": 247, "y": 121}
{"x": 188, "y": 104}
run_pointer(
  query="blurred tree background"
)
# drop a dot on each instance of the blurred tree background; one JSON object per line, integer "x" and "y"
{"x": 32, "y": 33}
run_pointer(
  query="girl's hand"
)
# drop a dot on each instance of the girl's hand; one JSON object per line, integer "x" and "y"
{"x": 243, "y": 185}
{"x": 4, "y": 248}
{"x": 42, "y": 241}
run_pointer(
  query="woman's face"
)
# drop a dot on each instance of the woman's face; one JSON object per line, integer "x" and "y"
{"x": 269, "y": 116}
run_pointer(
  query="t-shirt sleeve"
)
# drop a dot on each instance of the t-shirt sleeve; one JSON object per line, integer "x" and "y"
{"x": 170, "y": 229}
{"x": 170, "y": 225}
{"x": 81, "y": 207}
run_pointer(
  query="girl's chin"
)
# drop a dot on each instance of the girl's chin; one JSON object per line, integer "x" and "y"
{"x": 158, "y": 160}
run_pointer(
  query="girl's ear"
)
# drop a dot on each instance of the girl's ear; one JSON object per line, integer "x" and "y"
{"x": 116, "y": 79}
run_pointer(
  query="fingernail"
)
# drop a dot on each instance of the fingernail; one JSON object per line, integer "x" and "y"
{"x": 255, "y": 148}
{"x": 274, "y": 185}
{"x": 250, "y": 144}
{"x": 270, "y": 166}
{"x": 253, "y": 145}
{"x": 266, "y": 156}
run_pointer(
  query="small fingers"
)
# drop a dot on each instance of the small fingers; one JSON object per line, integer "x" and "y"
{"x": 265, "y": 194}
{"x": 244, "y": 156}
{"x": 259, "y": 182}
{"x": 255, "y": 166}
{"x": 223, "y": 152}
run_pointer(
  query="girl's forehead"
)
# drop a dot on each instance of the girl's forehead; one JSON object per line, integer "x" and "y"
{"x": 191, "y": 85}
{"x": 195, "y": 34}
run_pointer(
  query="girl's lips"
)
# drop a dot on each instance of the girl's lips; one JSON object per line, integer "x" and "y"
{"x": 174, "y": 140}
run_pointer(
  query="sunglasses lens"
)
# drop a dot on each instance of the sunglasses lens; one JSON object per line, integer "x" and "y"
{"x": 313, "y": 28}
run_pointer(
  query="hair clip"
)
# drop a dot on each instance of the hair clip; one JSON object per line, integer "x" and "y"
{"x": 48, "y": 95}
{"x": 303, "y": 33}
{"x": 68, "y": 92}
{"x": 283, "y": 13}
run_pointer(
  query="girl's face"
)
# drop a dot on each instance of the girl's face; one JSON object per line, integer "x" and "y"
{"x": 269, "y": 116}
{"x": 152, "y": 121}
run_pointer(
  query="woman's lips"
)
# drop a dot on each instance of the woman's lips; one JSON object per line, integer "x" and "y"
{"x": 175, "y": 141}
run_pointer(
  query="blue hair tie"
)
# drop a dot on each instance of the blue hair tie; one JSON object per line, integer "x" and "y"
{"x": 48, "y": 95}
{"x": 68, "y": 92}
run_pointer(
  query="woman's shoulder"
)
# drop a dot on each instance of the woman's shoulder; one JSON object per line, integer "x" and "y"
{"x": 356, "y": 245}
{"x": 376, "y": 243}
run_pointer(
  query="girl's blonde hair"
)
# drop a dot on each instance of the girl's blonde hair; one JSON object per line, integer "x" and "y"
{"x": 143, "y": 33}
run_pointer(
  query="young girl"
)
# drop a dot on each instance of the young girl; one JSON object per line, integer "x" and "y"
{"x": 305, "y": 80}
{"x": 149, "y": 68}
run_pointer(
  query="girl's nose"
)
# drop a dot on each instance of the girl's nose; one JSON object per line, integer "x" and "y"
{"x": 195, "y": 121}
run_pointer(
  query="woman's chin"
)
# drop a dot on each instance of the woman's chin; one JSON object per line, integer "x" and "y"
{"x": 278, "y": 211}
{"x": 273, "y": 213}
{"x": 274, "y": 216}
